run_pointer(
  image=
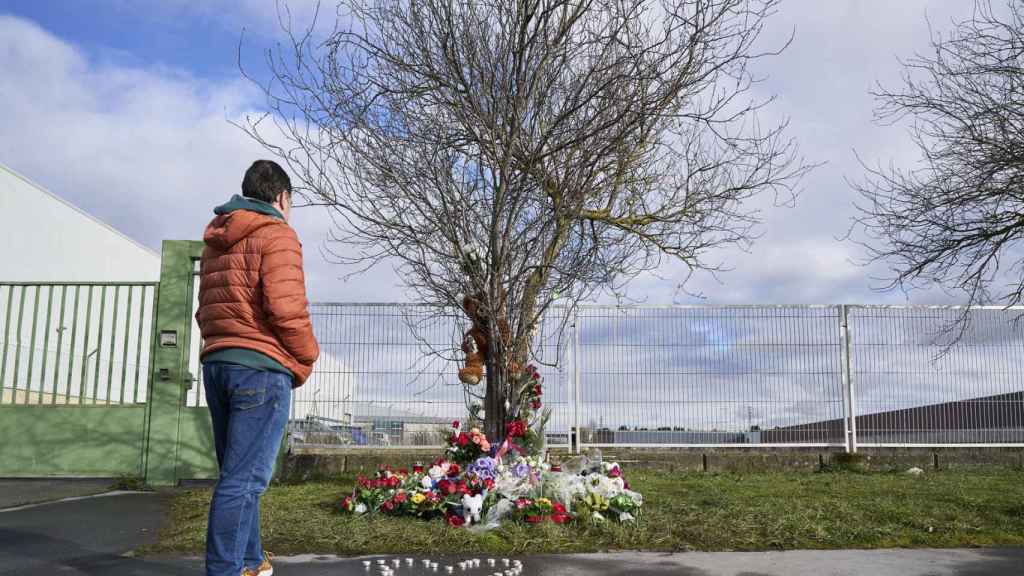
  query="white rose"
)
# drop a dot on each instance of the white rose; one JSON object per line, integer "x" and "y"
{"x": 427, "y": 483}
{"x": 360, "y": 508}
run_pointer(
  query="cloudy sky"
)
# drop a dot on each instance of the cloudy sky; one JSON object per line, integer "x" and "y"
{"x": 123, "y": 108}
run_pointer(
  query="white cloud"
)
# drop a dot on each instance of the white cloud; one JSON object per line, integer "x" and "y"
{"x": 149, "y": 151}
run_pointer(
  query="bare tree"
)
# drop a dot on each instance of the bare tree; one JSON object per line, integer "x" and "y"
{"x": 528, "y": 152}
{"x": 956, "y": 220}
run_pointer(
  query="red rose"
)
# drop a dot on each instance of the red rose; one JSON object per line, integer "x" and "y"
{"x": 463, "y": 439}
{"x": 516, "y": 428}
{"x": 400, "y": 497}
{"x": 615, "y": 472}
{"x": 534, "y": 519}
{"x": 625, "y": 484}
{"x": 537, "y": 391}
{"x": 446, "y": 486}
{"x": 394, "y": 481}
{"x": 347, "y": 504}
{"x": 433, "y": 497}
{"x": 462, "y": 488}
{"x": 560, "y": 518}
{"x": 489, "y": 484}
{"x": 455, "y": 424}
{"x": 453, "y": 469}
{"x": 417, "y": 469}
{"x": 536, "y": 375}
{"x": 388, "y": 505}
{"x": 558, "y": 507}
{"x": 535, "y": 404}
{"x": 456, "y": 520}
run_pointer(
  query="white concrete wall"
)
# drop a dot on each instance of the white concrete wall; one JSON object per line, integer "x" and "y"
{"x": 45, "y": 239}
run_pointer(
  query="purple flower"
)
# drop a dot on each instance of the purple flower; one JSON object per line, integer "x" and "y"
{"x": 521, "y": 470}
{"x": 484, "y": 468}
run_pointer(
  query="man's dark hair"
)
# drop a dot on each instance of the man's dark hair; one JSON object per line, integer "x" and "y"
{"x": 264, "y": 180}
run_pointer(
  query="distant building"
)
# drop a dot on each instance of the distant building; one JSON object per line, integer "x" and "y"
{"x": 989, "y": 419}
{"x": 370, "y": 424}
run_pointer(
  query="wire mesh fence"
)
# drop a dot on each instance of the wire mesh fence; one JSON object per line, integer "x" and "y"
{"x": 387, "y": 376}
{"x": 668, "y": 376}
{"x": 640, "y": 376}
{"x": 676, "y": 376}
{"x": 914, "y": 386}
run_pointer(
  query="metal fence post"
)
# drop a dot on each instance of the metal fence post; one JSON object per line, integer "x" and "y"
{"x": 576, "y": 379}
{"x": 849, "y": 404}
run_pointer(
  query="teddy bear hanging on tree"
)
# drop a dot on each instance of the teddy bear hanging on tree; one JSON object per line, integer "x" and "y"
{"x": 474, "y": 342}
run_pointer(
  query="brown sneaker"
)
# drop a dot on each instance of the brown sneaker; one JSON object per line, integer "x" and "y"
{"x": 265, "y": 568}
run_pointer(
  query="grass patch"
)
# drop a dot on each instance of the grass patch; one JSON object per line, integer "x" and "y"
{"x": 765, "y": 511}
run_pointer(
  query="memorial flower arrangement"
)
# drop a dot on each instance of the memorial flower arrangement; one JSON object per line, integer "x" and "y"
{"x": 481, "y": 482}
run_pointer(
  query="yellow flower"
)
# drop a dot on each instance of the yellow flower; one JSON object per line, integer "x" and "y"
{"x": 418, "y": 498}
{"x": 544, "y": 501}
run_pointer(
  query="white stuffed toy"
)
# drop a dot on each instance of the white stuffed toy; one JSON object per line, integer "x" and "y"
{"x": 471, "y": 507}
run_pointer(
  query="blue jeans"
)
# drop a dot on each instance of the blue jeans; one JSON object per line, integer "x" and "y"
{"x": 249, "y": 409}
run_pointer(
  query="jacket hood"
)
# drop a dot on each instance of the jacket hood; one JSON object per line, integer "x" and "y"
{"x": 237, "y": 219}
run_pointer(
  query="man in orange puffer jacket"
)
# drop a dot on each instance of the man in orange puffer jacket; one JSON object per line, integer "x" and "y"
{"x": 258, "y": 345}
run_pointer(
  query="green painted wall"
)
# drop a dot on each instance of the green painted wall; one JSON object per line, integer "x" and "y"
{"x": 71, "y": 440}
{"x": 196, "y": 453}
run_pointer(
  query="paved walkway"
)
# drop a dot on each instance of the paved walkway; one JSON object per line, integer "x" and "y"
{"x": 16, "y": 492}
{"x": 94, "y": 536}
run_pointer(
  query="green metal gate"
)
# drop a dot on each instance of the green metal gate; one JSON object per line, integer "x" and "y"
{"x": 95, "y": 378}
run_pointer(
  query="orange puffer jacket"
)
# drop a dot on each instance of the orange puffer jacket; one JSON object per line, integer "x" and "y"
{"x": 252, "y": 291}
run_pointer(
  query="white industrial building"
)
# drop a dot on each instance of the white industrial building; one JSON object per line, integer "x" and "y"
{"x": 43, "y": 238}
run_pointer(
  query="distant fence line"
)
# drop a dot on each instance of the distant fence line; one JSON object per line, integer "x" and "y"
{"x": 642, "y": 376}
{"x": 686, "y": 376}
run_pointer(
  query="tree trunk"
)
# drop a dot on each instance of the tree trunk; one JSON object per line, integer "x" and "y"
{"x": 494, "y": 403}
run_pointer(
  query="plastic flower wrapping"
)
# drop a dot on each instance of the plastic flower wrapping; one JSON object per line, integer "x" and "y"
{"x": 481, "y": 483}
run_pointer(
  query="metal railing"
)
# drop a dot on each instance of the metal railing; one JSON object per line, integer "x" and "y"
{"x": 685, "y": 376}
{"x": 75, "y": 343}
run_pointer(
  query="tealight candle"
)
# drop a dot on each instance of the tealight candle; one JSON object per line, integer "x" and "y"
{"x": 490, "y": 562}
{"x": 367, "y": 563}
{"x": 505, "y": 561}
{"x": 408, "y": 561}
{"x": 380, "y": 561}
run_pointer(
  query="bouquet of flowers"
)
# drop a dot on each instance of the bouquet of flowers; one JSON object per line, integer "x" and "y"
{"x": 480, "y": 481}
{"x": 535, "y": 511}
{"x": 465, "y": 447}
